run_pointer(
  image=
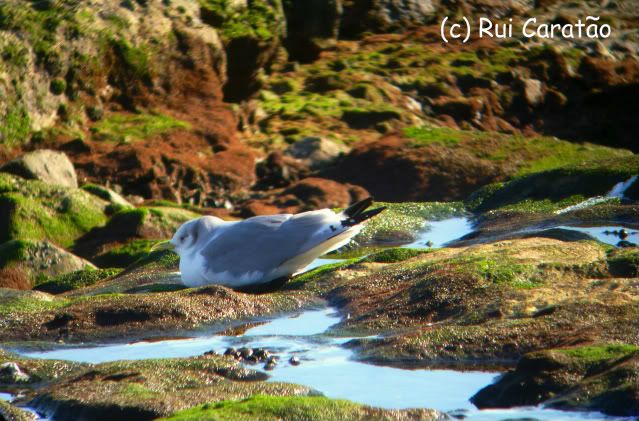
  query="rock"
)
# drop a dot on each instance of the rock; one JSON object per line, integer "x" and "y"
{"x": 307, "y": 194}
{"x": 365, "y": 119}
{"x": 382, "y": 16}
{"x": 38, "y": 260}
{"x": 74, "y": 280}
{"x": 130, "y": 234}
{"x": 10, "y": 373}
{"x": 51, "y": 167}
{"x": 279, "y": 170}
{"x": 392, "y": 169}
{"x": 588, "y": 378}
{"x": 294, "y": 360}
{"x": 533, "y": 92}
{"x": 116, "y": 200}
{"x": 318, "y": 152}
{"x": 251, "y": 34}
{"x": 31, "y": 209}
{"x": 11, "y": 412}
{"x": 312, "y": 26}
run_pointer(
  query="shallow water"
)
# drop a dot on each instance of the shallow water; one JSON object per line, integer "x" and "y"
{"x": 439, "y": 233}
{"x": 606, "y": 234}
{"x": 329, "y": 368}
{"x": 6, "y": 396}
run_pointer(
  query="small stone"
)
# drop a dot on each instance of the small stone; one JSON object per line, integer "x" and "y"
{"x": 230, "y": 351}
{"x": 294, "y": 360}
{"x": 533, "y": 92}
{"x": 245, "y": 352}
{"x": 623, "y": 234}
{"x": 211, "y": 352}
{"x": 51, "y": 167}
{"x": 269, "y": 365}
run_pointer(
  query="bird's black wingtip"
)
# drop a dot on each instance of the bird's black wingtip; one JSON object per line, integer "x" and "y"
{"x": 362, "y": 216}
{"x": 358, "y": 207}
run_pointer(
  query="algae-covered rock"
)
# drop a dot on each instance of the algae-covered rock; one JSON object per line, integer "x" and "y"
{"x": 50, "y": 167}
{"x": 77, "y": 279}
{"x": 38, "y": 260}
{"x": 33, "y": 210}
{"x": 292, "y": 408}
{"x": 600, "y": 377}
{"x": 11, "y": 412}
{"x": 554, "y": 189}
{"x": 480, "y": 304}
{"x": 145, "y": 390}
{"x": 130, "y": 234}
{"x": 116, "y": 201}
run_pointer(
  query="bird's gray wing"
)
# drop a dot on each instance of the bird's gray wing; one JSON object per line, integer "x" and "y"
{"x": 262, "y": 243}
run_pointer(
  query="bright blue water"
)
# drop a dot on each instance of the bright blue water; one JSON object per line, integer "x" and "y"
{"x": 329, "y": 368}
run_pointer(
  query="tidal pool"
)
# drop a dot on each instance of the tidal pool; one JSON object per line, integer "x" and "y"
{"x": 606, "y": 233}
{"x": 329, "y": 368}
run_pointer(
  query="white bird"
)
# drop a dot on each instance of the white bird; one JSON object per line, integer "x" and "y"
{"x": 262, "y": 250}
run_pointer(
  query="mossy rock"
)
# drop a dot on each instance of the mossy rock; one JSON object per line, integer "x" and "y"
{"x": 116, "y": 201}
{"x": 125, "y": 255}
{"x": 595, "y": 378}
{"x": 130, "y": 234}
{"x": 319, "y": 408}
{"x": 556, "y": 188}
{"x": 74, "y": 280}
{"x": 33, "y": 210}
{"x": 38, "y": 260}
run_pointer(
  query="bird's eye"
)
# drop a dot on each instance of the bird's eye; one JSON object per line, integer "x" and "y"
{"x": 182, "y": 238}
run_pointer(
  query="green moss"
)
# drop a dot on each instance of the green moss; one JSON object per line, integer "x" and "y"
{"x": 260, "y": 19}
{"x": 39, "y": 211}
{"x": 593, "y": 354}
{"x": 11, "y": 251}
{"x": 394, "y": 255}
{"x": 75, "y": 280}
{"x": 552, "y": 189}
{"x": 15, "y": 126}
{"x": 57, "y": 86}
{"x": 29, "y": 304}
{"x": 261, "y": 407}
{"x": 428, "y": 135}
{"x": 624, "y": 263}
{"x": 125, "y": 255}
{"x": 128, "y": 127}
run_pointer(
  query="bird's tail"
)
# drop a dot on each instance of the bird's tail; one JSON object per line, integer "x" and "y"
{"x": 357, "y": 213}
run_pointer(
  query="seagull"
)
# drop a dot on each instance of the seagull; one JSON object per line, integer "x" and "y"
{"x": 263, "y": 250}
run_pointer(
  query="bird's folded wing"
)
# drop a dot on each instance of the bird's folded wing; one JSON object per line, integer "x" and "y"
{"x": 262, "y": 243}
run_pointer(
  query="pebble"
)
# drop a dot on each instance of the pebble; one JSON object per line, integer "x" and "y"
{"x": 230, "y": 351}
{"x": 294, "y": 360}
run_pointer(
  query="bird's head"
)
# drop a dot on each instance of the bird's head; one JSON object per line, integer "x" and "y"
{"x": 189, "y": 234}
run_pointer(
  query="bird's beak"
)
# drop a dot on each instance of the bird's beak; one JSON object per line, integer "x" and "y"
{"x": 164, "y": 245}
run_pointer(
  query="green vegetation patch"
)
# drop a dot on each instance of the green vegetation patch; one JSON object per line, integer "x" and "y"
{"x": 260, "y": 20}
{"x": 596, "y": 353}
{"x": 36, "y": 211}
{"x": 262, "y": 407}
{"x": 125, "y": 255}
{"x": 129, "y": 127}
{"x": 555, "y": 188}
{"x": 75, "y": 280}
{"x": 394, "y": 255}
{"x": 429, "y": 135}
